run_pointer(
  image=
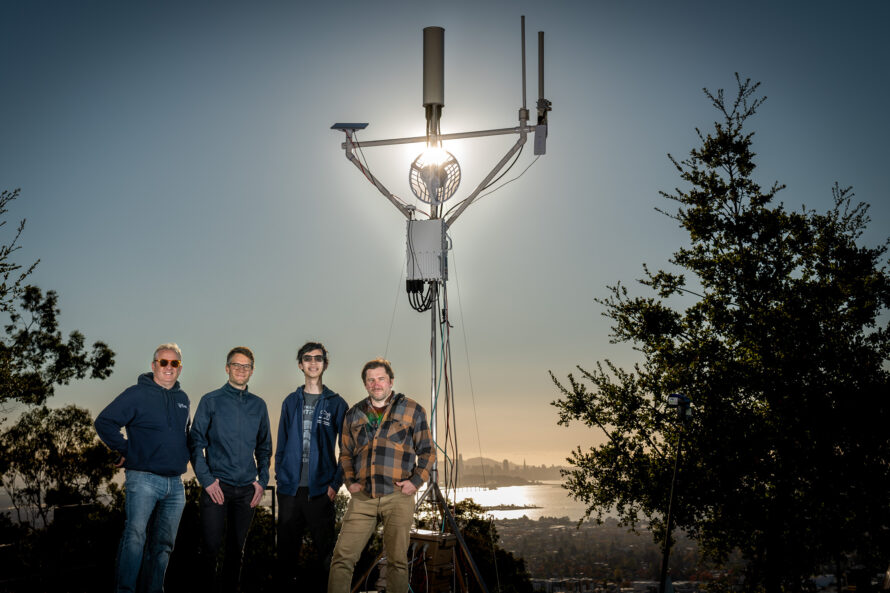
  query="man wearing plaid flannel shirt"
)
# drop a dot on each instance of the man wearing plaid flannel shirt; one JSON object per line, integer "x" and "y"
{"x": 386, "y": 452}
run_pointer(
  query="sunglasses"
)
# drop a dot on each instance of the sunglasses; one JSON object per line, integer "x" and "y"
{"x": 162, "y": 362}
{"x": 316, "y": 358}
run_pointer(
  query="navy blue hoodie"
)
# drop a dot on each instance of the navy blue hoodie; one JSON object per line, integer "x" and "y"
{"x": 324, "y": 470}
{"x": 157, "y": 424}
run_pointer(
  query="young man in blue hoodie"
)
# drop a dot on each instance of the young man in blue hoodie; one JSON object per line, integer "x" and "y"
{"x": 307, "y": 471}
{"x": 155, "y": 415}
{"x": 231, "y": 447}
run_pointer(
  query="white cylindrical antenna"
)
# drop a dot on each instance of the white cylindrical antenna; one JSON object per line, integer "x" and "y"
{"x": 433, "y": 66}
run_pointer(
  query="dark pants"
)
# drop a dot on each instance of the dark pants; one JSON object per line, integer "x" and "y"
{"x": 295, "y": 515}
{"x": 231, "y": 520}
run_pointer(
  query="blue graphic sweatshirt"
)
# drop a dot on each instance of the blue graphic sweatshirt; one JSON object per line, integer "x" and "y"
{"x": 324, "y": 470}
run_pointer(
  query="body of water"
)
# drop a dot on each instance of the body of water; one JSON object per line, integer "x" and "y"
{"x": 552, "y": 499}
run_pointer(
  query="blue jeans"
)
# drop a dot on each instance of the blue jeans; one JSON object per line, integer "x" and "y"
{"x": 154, "y": 505}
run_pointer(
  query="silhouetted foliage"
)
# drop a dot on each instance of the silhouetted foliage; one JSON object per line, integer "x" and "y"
{"x": 12, "y": 275}
{"x": 500, "y": 569}
{"x": 74, "y": 553}
{"x": 780, "y": 344}
{"x": 52, "y": 458}
{"x": 52, "y": 465}
{"x": 259, "y": 553}
{"x": 48, "y": 457}
{"x": 184, "y": 571}
{"x": 34, "y": 358}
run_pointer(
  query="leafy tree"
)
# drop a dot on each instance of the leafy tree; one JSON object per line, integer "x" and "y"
{"x": 35, "y": 358}
{"x": 12, "y": 275}
{"x": 48, "y": 458}
{"x": 52, "y": 458}
{"x": 500, "y": 569}
{"x": 780, "y": 343}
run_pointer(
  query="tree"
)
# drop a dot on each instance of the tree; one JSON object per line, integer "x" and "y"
{"x": 12, "y": 275}
{"x": 500, "y": 569}
{"x": 52, "y": 457}
{"x": 35, "y": 358}
{"x": 783, "y": 354}
{"x": 49, "y": 458}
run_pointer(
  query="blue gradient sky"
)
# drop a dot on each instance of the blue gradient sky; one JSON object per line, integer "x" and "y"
{"x": 180, "y": 180}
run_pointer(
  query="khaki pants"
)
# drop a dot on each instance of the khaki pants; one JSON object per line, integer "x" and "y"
{"x": 397, "y": 512}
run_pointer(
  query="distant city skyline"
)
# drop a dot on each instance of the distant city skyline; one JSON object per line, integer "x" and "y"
{"x": 181, "y": 182}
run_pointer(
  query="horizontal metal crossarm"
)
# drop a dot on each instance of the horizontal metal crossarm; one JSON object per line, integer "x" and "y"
{"x": 351, "y": 145}
{"x": 424, "y": 139}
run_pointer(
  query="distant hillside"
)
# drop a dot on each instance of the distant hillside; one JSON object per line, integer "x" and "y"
{"x": 484, "y": 470}
{"x": 477, "y": 462}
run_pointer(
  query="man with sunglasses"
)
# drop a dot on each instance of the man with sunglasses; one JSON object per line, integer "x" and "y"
{"x": 231, "y": 447}
{"x": 307, "y": 472}
{"x": 155, "y": 415}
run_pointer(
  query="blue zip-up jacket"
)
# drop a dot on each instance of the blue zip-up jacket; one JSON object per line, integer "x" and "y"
{"x": 157, "y": 425}
{"x": 231, "y": 439}
{"x": 324, "y": 470}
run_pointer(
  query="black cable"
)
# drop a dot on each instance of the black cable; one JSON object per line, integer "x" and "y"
{"x": 450, "y": 377}
{"x": 507, "y": 170}
{"x": 499, "y": 177}
{"x": 506, "y": 183}
{"x": 366, "y": 168}
{"x": 450, "y": 414}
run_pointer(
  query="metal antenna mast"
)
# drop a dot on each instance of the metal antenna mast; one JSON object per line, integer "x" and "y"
{"x": 434, "y": 177}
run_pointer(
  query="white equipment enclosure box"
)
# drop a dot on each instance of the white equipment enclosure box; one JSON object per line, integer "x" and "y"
{"x": 427, "y": 250}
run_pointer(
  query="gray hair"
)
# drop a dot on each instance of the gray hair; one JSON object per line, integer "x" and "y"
{"x": 168, "y": 346}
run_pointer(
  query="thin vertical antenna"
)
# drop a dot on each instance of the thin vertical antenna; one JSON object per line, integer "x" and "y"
{"x": 522, "y": 20}
{"x": 540, "y": 65}
{"x": 543, "y": 104}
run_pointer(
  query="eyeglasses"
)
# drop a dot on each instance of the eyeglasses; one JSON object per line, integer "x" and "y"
{"x": 162, "y": 362}
{"x": 315, "y": 357}
{"x": 237, "y": 366}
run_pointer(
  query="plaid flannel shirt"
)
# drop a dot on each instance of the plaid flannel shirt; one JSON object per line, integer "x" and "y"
{"x": 401, "y": 447}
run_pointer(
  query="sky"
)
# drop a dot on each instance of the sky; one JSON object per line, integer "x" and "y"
{"x": 181, "y": 182}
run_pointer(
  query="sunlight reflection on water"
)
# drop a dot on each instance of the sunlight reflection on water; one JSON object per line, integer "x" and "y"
{"x": 551, "y": 497}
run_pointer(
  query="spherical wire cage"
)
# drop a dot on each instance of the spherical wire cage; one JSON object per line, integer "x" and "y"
{"x": 434, "y": 176}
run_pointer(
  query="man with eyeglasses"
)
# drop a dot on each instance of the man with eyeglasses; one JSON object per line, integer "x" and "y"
{"x": 231, "y": 448}
{"x": 155, "y": 415}
{"x": 307, "y": 472}
{"x": 386, "y": 452}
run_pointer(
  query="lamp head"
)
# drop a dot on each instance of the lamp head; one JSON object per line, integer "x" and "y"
{"x": 682, "y": 404}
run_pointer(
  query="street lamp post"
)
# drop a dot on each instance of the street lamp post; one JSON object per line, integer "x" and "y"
{"x": 684, "y": 413}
